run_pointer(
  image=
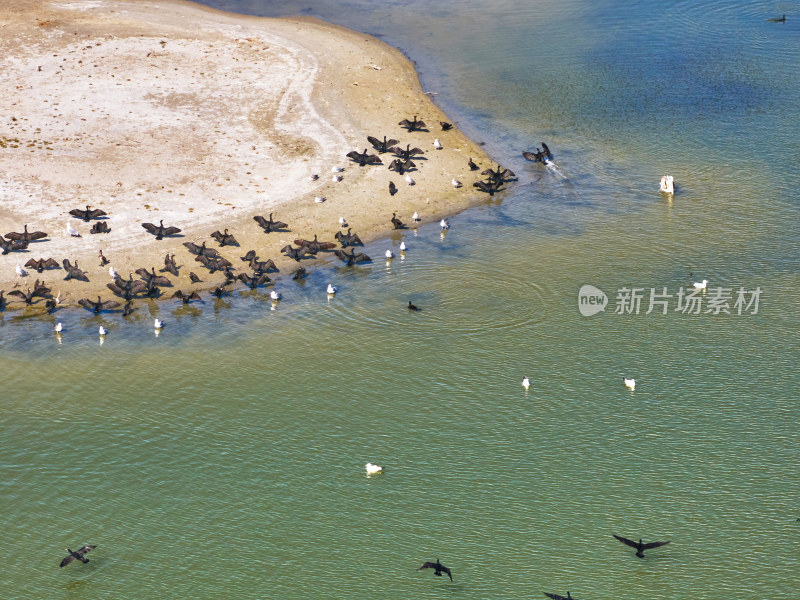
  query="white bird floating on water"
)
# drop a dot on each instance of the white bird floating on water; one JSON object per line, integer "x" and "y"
{"x": 20, "y": 271}
{"x": 158, "y": 324}
{"x": 275, "y": 295}
{"x": 444, "y": 224}
{"x": 337, "y": 169}
{"x": 72, "y": 231}
{"x": 403, "y": 246}
{"x": 113, "y": 272}
{"x": 409, "y": 180}
{"x": 342, "y": 222}
{"x": 373, "y": 469}
{"x": 456, "y": 183}
{"x": 702, "y": 285}
{"x": 319, "y": 199}
{"x": 667, "y": 184}
{"x": 331, "y": 289}
{"x": 58, "y": 328}
{"x": 629, "y": 383}
{"x": 526, "y": 383}
{"x": 389, "y": 254}
{"x": 437, "y": 144}
{"x": 102, "y": 330}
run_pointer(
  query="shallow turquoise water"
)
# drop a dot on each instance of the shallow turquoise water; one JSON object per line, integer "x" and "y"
{"x": 225, "y": 456}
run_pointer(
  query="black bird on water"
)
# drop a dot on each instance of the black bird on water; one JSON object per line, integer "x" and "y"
{"x": 352, "y": 258}
{"x": 640, "y": 547}
{"x": 159, "y": 230}
{"x": 88, "y": 214}
{"x": 557, "y": 597}
{"x": 299, "y": 273}
{"x": 77, "y": 555}
{"x": 26, "y": 236}
{"x": 186, "y": 298}
{"x": 413, "y": 125}
{"x": 381, "y": 146}
{"x": 777, "y": 19}
{"x": 270, "y": 225}
{"x": 412, "y": 307}
{"x": 439, "y": 568}
{"x": 98, "y": 306}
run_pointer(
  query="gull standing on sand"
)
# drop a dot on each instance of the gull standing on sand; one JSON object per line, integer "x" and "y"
{"x": 629, "y": 383}
{"x": 415, "y": 216}
{"x": 72, "y": 231}
{"x": 409, "y": 180}
{"x": 337, "y": 169}
{"x": 456, "y": 183}
{"x": 336, "y": 178}
{"x": 437, "y": 144}
{"x": 342, "y": 222}
{"x": 113, "y": 272}
{"x": 319, "y": 199}
{"x": 20, "y": 271}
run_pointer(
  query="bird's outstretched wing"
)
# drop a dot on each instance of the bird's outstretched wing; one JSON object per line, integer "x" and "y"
{"x": 630, "y": 543}
{"x": 171, "y": 230}
{"x": 86, "y": 303}
{"x": 427, "y": 565}
{"x": 33, "y": 263}
{"x": 18, "y": 294}
{"x": 78, "y": 212}
{"x": 50, "y": 263}
{"x": 195, "y": 296}
{"x": 66, "y": 560}
{"x": 96, "y": 213}
{"x": 107, "y": 305}
{"x": 356, "y": 156}
{"x": 361, "y": 257}
{"x": 150, "y": 227}
{"x": 532, "y": 156}
{"x": 654, "y": 545}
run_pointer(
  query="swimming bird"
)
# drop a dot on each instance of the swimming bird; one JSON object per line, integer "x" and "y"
{"x": 437, "y": 144}
{"x": 158, "y": 324}
{"x": 472, "y": 165}
{"x": 275, "y": 296}
{"x": 42, "y": 264}
{"x": 73, "y": 271}
{"x": 270, "y": 225}
{"x": 59, "y": 327}
{"x": 77, "y": 555}
{"x": 332, "y": 289}
{"x": 444, "y": 224}
{"x": 299, "y": 273}
{"x": 186, "y": 298}
{"x": 415, "y": 217}
{"x": 557, "y": 597}
{"x": 352, "y": 258}
{"x": 381, "y": 146}
{"x": 409, "y": 180}
{"x": 397, "y": 223}
{"x": 100, "y": 227}
{"x": 224, "y": 238}
{"x": 342, "y": 222}
{"x": 408, "y": 153}
{"x": 546, "y": 151}
{"x": 103, "y": 260}
{"x": 403, "y": 246}
{"x": 26, "y": 236}
{"x": 702, "y": 285}
{"x": 296, "y": 253}
{"x": 348, "y": 239}
{"x": 439, "y": 568}
{"x": 88, "y": 214}
{"x": 128, "y": 308}
{"x": 159, "y": 230}
{"x": 392, "y": 188}
{"x": 99, "y": 305}
{"x": 102, "y": 330}
{"x": 364, "y": 158}
{"x": 667, "y": 184}
{"x": 220, "y": 291}
{"x": 455, "y": 183}
{"x": 39, "y": 291}
{"x": 629, "y": 383}
{"x": 373, "y": 469}
{"x": 777, "y": 19}
{"x": 194, "y": 278}
{"x": 640, "y": 547}
{"x": 49, "y": 305}
{"x": 413, "y": 125}
{"x": 538, "y": 156}
{"x": 413, "y": 307}
{"x": 526, "y": 383}
{"x": 389, "y": 254}
{"x": 11, "y": 246}
{"x": 445, "y": 125}
{"x": 254, "y": 280}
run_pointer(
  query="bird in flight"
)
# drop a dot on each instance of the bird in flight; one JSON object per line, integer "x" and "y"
{"x": 77, "y": 554}
{"x": 640, "y": 547}
{"x": 439, "y": 568}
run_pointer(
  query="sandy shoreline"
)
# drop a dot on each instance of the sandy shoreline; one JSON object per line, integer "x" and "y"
{"x": 169, "y": 110}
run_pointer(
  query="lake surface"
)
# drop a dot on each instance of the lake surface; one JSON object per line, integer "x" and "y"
{"x": 226, "y": 455}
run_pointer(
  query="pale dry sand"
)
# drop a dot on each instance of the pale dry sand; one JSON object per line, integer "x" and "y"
{"x": 168, "y": 110}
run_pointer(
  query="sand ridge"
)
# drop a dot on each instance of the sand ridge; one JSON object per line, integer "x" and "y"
{"x": 168, "y": 110}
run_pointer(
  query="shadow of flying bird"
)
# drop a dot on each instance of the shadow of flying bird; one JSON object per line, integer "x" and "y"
{"x": 159, "y": 230}
{"x": 364, "y": 158}
{"x": 381, "y": 146}
{"x": 268, "y": 225}
{"x": 438, "y": 567}
{"x": 26, "y": 236}
{"x": 88, "y": 214}
{"x": 413, "y": 125}
{"x": 42, "y": 264}
{"x": 224, "y": 238}
{"x": 99, "y": 305}
{"x": 640, "y": 547}
{"x": 78, "y": 554}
